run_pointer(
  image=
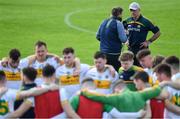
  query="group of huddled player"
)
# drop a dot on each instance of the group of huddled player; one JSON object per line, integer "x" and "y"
{"x": 44, "y": 85}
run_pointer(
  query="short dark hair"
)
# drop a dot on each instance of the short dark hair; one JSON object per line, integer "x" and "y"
{"x": 158, "y": 60}
{"x": 163, "y": 68}
{"x": 68, "y": 50}
{"x": 117, "y": 82}
{"x": 116, "y": 11}
{"x": 142, "y": 75}
{"x": 87, "y": 80}
{"x": 143, "y": 53}
{"x": 173, "y": 61}
{"x": 14, "y": 54}
{"x": 99, "y": 54}
{"x": 126, "y": 56}
{"x": 40, "y": 43}
{"x": 30, "y": 73}
{"x": 48, "y": 71}
{"x": 2, "y": 75}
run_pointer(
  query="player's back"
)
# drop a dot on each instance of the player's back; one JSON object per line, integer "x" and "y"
{"x": 48, "y": 105}
{"x": 7, "y": 102}
{"x": 131, "y": 99}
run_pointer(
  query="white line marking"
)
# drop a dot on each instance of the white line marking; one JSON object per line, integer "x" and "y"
{"x": 68, "y": 22}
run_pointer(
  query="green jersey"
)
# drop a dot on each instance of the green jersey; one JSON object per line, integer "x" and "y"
{"x": 126, "y": 101}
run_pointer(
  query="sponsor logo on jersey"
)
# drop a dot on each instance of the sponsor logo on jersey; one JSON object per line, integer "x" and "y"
{"x": 69, "y": 80}
{"x": 11, "y": 76}
{"x": 104, "y": 84}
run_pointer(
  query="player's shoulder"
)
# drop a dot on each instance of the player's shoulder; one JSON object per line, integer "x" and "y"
{"x": 23, "y": 63}
{"x": 11, "y": 93}
{"x": 92, "y": 72}
{"x": 51, "y": 59}
{"x": 92, "y": 69}
{"x": 137, "y": 68}
{"x": 62, "y": 67}
{"x": 1, "y": 66}
{"x": 62, "y": 90}
{"x": 61, "y": 70}
{"x": 129, "y": 19}
{"x": 121, "y": 69}
{"x": 146, "y": 20}
{"x": 84, "y": 66}
{"x": 12, "y": 90}
{"x": 107, "y": 70}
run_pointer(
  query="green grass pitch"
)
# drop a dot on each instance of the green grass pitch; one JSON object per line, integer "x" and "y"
{"x": 63, "y": 23}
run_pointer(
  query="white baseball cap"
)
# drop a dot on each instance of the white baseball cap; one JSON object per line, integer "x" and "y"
{"x": 134, "y": 6}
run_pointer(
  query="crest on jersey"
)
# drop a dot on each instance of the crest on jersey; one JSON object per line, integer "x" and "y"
{"x": 121, "y": 76}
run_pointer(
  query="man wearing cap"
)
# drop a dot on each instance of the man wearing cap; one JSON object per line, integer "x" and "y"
{"x": 111, "y": 35}
{"x": 137, "y": 27}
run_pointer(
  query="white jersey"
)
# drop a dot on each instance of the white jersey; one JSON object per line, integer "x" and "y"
{"x": 7, "y": 102}
{"x": 68, "y": 81}
{"x": 13, "y": 76}
{"x": 152, "y": 77}
{"x": 149, "y": 71}
{"x": 175, "y": 76}
{"x": 174, "y": 99}
{"x": 103, "y": 80}
{"x": 39, "y": 66}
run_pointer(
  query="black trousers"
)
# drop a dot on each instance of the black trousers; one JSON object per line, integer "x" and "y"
{"x": 113, "y": 60}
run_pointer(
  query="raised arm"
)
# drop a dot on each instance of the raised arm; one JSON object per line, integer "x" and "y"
{"x": 163, "y": 95}
{"x": 156, "y": 31}
{"x": 150, "y": 93}
{"x": 148, "y": 111}
{"x": 31, "y": 59}
{"x": 77, "y": 65}
{"x": 69, "y": 110}
{"x": 107, "y": 99}
{"x": 174, "y": 84}
{"x": 25, "y": 106}
{"x": 154, "y": 37}
{"x": 171, "y": 107}
{"x": 36, "y": 91}
{"x": 67, "y": 106}
{"x": 111, "y": 69}
{"x": 4, "y": 61}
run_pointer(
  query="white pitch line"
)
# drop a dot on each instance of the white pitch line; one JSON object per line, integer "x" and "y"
{"x": 68, "y": 22}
